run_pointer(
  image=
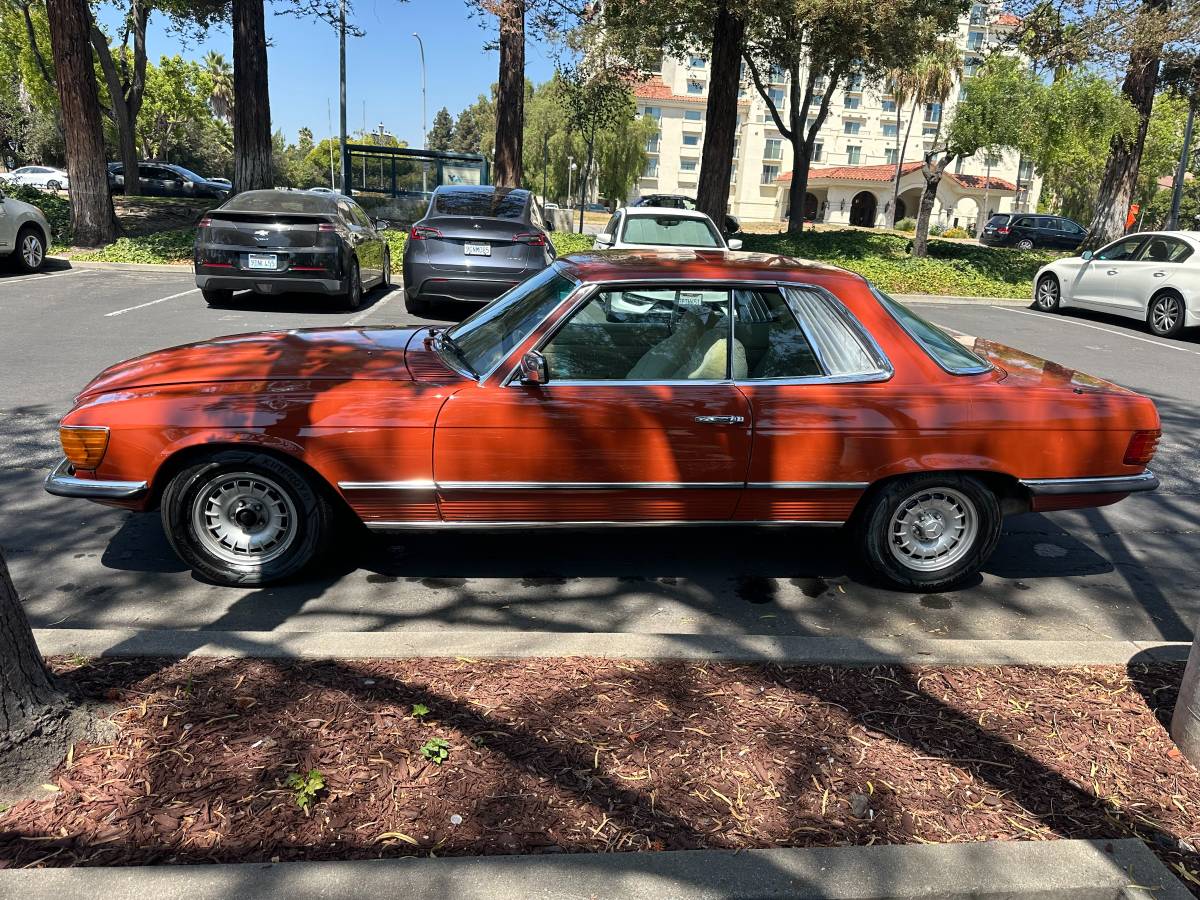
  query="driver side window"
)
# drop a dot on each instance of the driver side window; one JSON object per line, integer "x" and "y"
{"x": 647, "y": 334}
{"x": 1124, "y": 249}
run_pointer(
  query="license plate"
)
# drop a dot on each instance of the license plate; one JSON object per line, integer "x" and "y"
{"x": 262, "y": 261}
{"x": 477, "y": 249}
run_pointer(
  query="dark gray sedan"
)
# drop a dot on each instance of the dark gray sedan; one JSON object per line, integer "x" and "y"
{"x": 474, "y": 243}
{"x": 273, "y": 242}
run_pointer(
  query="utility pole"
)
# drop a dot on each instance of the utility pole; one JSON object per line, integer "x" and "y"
{"x": 342, "y": 95}
{"x": 1181, "y": 172}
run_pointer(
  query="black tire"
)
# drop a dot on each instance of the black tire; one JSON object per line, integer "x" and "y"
{"x": 353, "y": 297}
{"x": 31, "y": 249}
{"x": 385, "y": 278}
{"x": 883, "y": 544}
{"x": 1048, "y": 294}
{"x": 192, "y": 490}
{"x": 54, "y": 185}
{"x": 217, "y": 297}
{"x": 1025, "y": 244}
{"x": 1166, "y": 314}
{"x": 416, "y": 306}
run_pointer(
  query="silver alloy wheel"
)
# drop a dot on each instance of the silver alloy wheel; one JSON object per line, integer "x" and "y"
{"x": 1047, "y": 293}
{"x": 32, "y": 251}
{"x": 1025, "y": 244}
{"x": 244, "y": 518}
{"x": 1166, "y": 313}
{"x": 933, "y": 529}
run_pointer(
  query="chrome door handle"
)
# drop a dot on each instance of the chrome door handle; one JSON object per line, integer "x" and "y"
{"x": 1160, "y": 274}
{"x": 720, "y": 420}
{"x": 1112, "y": 271}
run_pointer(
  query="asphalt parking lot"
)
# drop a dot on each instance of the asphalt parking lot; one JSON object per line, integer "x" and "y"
{"x": 1121, "y": 572}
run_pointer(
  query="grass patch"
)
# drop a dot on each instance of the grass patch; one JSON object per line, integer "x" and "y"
{"x": 951, "y": 269}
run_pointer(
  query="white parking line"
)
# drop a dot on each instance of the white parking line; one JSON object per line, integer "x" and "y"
{"x": 1124, "y": 334}
{"x": 121, "y": 312}
{"x": 26, "y": 279}
{"x": 374, "y": 307}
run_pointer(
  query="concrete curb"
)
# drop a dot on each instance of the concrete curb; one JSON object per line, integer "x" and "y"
{"x": 965, "y": 301}
{"x": 185, "y": 267}
{"x": 1042, "y": 870}
{"x": 790, "y": 649}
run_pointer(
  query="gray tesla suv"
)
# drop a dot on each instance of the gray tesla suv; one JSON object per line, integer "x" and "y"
{"x": 474, "y": 243}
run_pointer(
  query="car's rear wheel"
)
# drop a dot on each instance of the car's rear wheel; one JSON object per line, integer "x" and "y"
{"x": 353, "y": 297}
{"x": 416, "y": 306}
{"x": 31, "y": 249}
{"x": 215, "y": 297}
{"x": 1024, "y": 244}
{"x": 242, "y": 518}
{"x": 385, "y": 279}
{"x": 54, "y": 185}
{"x": 1048, "y": 294}
{"x": 1166, "y": 314}
{"x": 929, "y": 532}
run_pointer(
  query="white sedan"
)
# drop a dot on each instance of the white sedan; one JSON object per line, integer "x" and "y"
{"x": 1153, "y": 276}
{"x": 639, "y": 227}
{"x": 40, "y": 177}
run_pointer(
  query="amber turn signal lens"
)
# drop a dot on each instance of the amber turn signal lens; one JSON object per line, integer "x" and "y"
{"x": 84, "y": 447}
{"x": 1141, "y": 447}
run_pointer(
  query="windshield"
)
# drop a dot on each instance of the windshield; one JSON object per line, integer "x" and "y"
{"x": 492, "y": 333}
{"x": 670, "y": 231}
{"x": 189, "y": 174}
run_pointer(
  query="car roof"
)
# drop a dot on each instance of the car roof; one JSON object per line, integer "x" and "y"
{"x": 670, "y": 264}
{"x": 649, "y": 211}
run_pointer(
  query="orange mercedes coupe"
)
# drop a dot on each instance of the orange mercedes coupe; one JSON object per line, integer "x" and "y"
{"x": 612, "y": 389}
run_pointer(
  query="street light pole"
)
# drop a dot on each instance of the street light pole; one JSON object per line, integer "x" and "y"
{"x": 1181, "y": 172}
{"x": 570, "y": 172}
{"x": 342, "y": 95}
{"x": 424, "y": 131}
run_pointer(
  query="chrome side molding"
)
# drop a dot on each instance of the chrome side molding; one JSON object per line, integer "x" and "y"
{"x": 1116, "y": 484}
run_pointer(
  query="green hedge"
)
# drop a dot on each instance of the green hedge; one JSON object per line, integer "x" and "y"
{"x": 56, "y": 209}
{"x": 951, "y": 269}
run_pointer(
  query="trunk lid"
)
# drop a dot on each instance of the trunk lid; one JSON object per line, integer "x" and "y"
{"x": 266, "y": 231}
{"x": 505, "y": 254}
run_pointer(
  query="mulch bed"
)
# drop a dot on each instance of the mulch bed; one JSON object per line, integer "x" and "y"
{"x": 584, "y": 755}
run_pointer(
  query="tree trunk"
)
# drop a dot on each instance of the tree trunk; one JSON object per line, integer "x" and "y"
{"x": 932, "y": 172}
{"x": 252, "y": 109}
{"x": 124, "y": 116}
{"x": 798, "y": 189}
{"x": 510, "y": 95}
{"x": 901, "y": 148}
{"x": 91, "y": 205}
{"x": 29, "y": 697}
{"x": 1120, "y": 174}
{"x": 720, "y": 127}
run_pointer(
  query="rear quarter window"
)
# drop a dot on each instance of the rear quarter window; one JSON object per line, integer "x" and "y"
{"x": 945, "y": 350}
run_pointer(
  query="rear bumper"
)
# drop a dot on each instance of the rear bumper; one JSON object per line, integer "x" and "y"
{"x": 426, "y": 281}
{"x": 268, "y": 284}
{"x": 62, "y": 482}
{"x": 1118, "y": 484}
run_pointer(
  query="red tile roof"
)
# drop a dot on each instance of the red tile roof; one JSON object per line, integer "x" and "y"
{"x": 884, "y": 173}
{"x": 1008, "y": 19}
{"x": 981, "y": 182}
{"x": 654, "y": 89}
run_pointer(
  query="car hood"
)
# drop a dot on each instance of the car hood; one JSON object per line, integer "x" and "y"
{"x": 316, "y": 354}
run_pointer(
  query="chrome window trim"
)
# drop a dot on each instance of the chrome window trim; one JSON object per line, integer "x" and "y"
{"x": 885, "y": 370}
{"x": 582, "y": 293}
{"x": 414, "y": 485}
{"x": 1115, "y": 484}
{"x": 809, "y": 485}
{"x": 466, "y": 524}
{"x": 981, "y": 369}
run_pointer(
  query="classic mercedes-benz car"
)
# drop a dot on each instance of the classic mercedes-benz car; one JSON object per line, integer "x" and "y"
{"x": 611, "y": 389}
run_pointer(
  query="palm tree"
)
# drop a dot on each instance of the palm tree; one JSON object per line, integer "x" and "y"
{"x": 221, "y": 72}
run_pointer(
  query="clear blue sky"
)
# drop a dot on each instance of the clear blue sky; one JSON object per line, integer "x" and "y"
{"x": 382, "y": 68}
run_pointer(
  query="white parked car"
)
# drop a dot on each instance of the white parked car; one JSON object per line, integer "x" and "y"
{"x": 40, "y": 177}
{"x": 639, "y": 227}
{"x": 1153, "y": 276}
{"x": 24, "y": 234}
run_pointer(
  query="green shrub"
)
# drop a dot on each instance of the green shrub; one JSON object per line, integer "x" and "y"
{"x": 56, "y": 209}
{"x": 956, "y": 233}
{"x": 936, "y": 230}
{"x": 170, "y": 246}
{"x": 569, "y": 242}
{"x": 909, "y": 225}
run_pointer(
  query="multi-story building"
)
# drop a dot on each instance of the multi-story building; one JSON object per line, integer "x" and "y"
{"x": 851, "y": 179}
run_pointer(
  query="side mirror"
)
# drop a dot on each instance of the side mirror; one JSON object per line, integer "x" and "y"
{"x": 1086, "y": 255}
{"x": 534, "y": 369}
{"x": 604, "y": 239}
{"x": 735, "y": 243}
{"x": 382, "y": 224}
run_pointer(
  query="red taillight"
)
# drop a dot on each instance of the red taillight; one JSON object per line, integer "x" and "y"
{"x": 1141, "y": 447}
{"x": 1003, "y": 229}
{"x": 325, "y": 226}
{"x": 217, "y": 265}
{"x": 532, "y": 238}
{"x": 205, "y": 222}
{"x": 420, "y": 232}
{"x": 308, "y": 268}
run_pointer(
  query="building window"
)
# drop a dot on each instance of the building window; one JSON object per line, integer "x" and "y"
{"x": 978, "y": 13}
{"x": 651, "y": 169}
{"x": 929, "y": 130}
{"x": 691, "y": 140}
{"x": 958, "y": 163}
{"x": 889, "y": 105}
{"x": 653, "y": 143}
{"x": 773, "y": 149}
{"x": 698, "y": 62}
{"x": 687, "y": 165}
{"x": 775, "y": 95}
{"x": 695, "y": 87}
{"x": 853, "y": 155}
{"x": 933, "y": 112}
{"x": 818, "y": 149}
{"x": 1025, "y": 172}
{"x": 733, "y": 172}
{"x": 778, "y": 74}
{"x": 889, "y": 155}
{"x": 889, "y": 129}
{"x": 653, "y": 112}
{"x": 971, "y": 66}
{"x": 975, "y": 40}
{"x": 851, "y": 127}
{"x": 656, "y": 65}
{"x": 962, "y": 93}
{"x": 991, "y": 160}
{"x": 693, "y": 115}
{"x": 853, "y": 102}
{"x": 769, "y": 174}
{"x": 854, "y": 83}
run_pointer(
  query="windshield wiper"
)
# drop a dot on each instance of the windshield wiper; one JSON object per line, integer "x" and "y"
{"x": 443, "y": 339}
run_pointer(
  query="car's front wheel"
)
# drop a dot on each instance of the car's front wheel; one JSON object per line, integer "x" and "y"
{"x": 1166, "y": 315}
{"x": 1048, "y": 294}
{"x": 245, "y": 518}
{"x": 31, "y": 249}
{"x": 1024, "y": 244}
{"x": 53, "y": 185}
{"x": 929, "y": 532}
{"x": 385, "y": 278}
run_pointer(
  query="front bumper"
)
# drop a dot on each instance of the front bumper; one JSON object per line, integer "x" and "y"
{"x": 1117, "y": 484}
{"x": 62, "y": 482}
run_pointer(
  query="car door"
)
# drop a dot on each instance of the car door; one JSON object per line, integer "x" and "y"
{"x": 1096, "y": 285}
{"x": 1155, "y": 264}
{"x": 1024, "y": 228}
{"x": 638, "y": 420}
{"x": 823, "y": 419}
{"x": 361, "y": 236}
{"x": 8, "y": 228}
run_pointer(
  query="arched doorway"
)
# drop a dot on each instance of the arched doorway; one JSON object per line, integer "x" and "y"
{"x": 862, "y": 209}
{"x": 810, "y": 207}
{"x": 901, "y": 209}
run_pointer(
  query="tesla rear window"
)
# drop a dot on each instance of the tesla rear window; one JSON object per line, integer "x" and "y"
{"x": 281, "y": 201}
{"x": 498, "y": 204}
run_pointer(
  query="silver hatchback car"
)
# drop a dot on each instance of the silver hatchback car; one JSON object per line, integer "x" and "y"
{"x": 474, "y": 243}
